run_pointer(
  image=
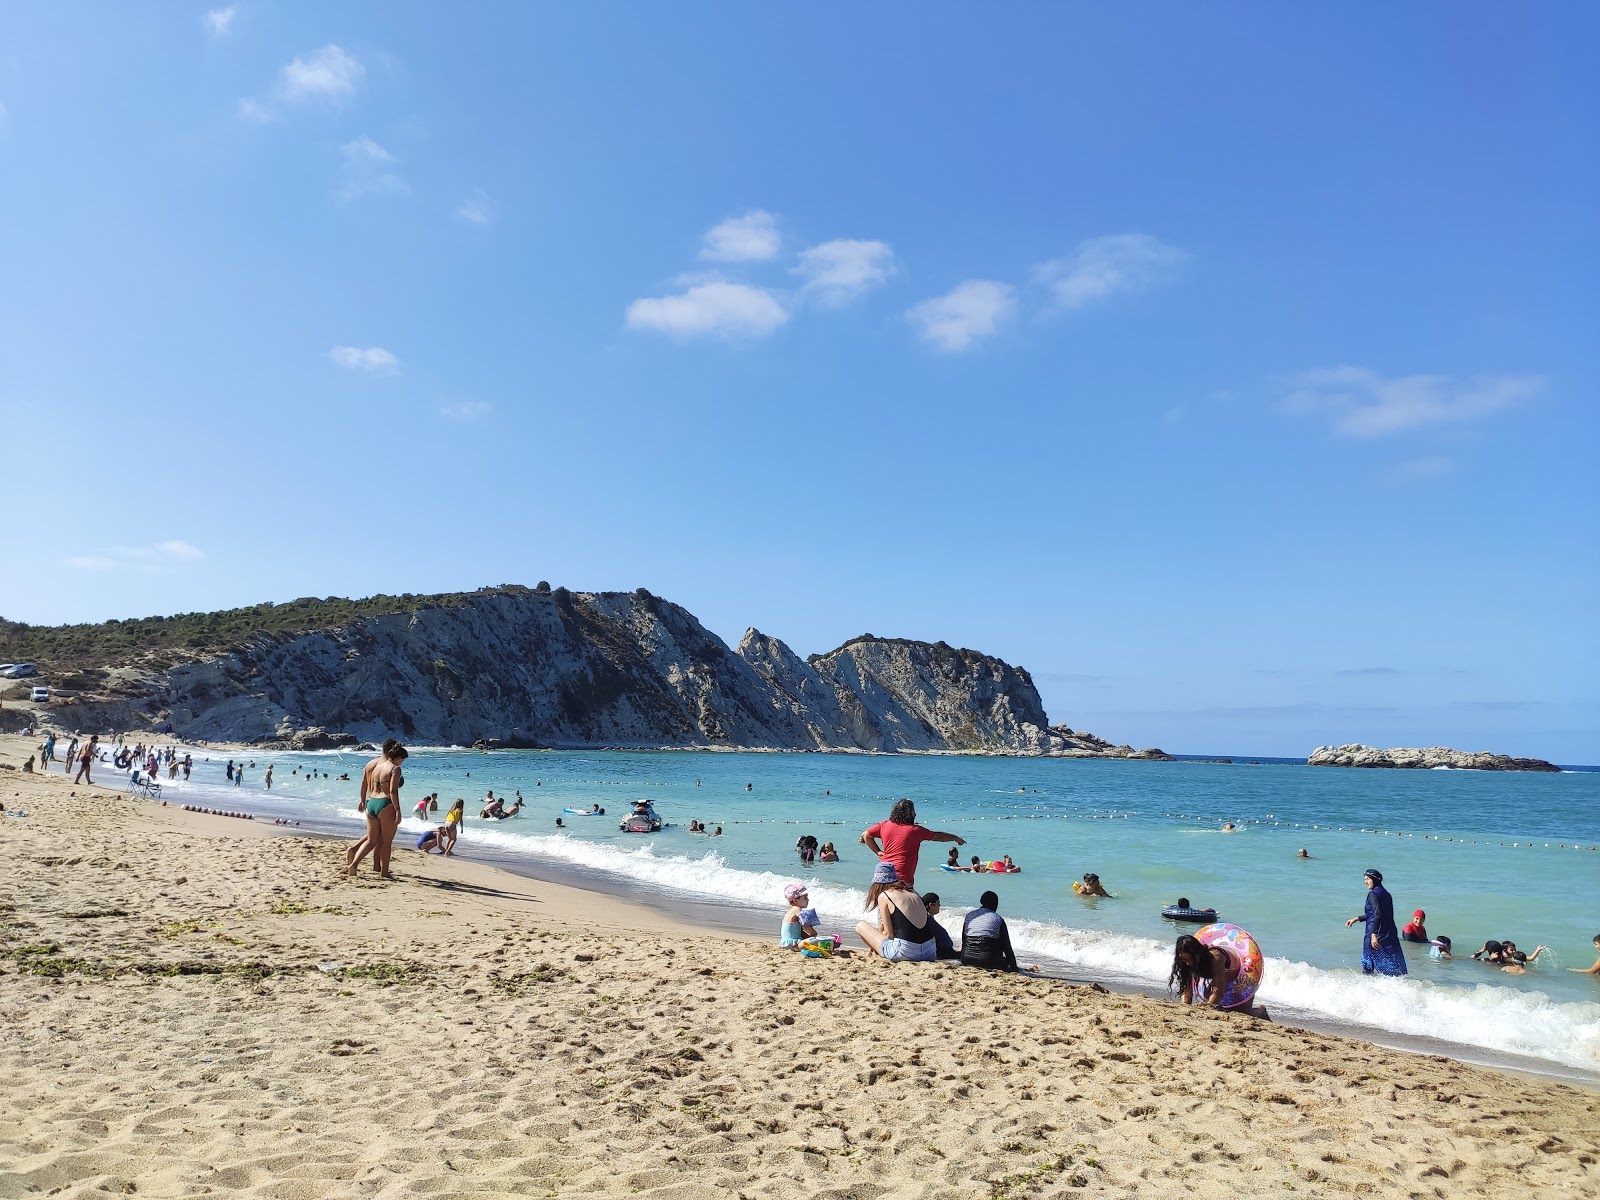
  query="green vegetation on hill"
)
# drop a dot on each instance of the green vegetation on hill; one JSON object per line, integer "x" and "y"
{"x": 74, "y": 647}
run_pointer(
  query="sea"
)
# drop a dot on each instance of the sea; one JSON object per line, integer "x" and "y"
{"x": 1486, "y": 854}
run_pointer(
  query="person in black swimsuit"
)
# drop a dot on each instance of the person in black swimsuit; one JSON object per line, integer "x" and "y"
{"x": 985, "y": 940}
{"x": 904, "y": 932}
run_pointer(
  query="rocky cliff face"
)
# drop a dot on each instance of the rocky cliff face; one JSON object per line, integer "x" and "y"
{"x": 1357, "y": 755}
{"x": 563, "y": 669}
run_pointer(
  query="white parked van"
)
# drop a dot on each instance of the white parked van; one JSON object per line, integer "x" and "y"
{"x": 41, "y": 695}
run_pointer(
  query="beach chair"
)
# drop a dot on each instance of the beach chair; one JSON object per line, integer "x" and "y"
{"x": 144, "y": 785}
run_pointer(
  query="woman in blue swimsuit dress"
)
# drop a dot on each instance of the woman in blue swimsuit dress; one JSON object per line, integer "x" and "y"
{"x": 1380, "y": 948}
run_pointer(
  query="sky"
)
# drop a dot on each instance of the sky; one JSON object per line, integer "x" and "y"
{"x": 1231, "y": 368}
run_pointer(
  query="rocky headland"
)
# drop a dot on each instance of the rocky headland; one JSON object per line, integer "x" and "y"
{"x": 1428, "y": 757}
{"x": 531, "y": 667}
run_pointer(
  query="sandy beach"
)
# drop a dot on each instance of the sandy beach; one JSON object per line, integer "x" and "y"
{"x": 201, "y": 1005}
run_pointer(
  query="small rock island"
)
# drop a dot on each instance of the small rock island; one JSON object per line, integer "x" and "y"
{"x": 1358, "y": 755}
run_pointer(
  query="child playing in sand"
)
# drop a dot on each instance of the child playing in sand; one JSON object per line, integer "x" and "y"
{"x": 795, "y": 927}
{"x": 441, "y": 839}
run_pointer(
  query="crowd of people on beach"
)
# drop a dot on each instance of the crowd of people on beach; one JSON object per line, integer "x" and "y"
{"x": 901, "y": 925}
{"x": 146, "y": 762}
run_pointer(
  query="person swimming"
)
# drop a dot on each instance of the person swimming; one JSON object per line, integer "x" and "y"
{"x": 1091, "y": 886}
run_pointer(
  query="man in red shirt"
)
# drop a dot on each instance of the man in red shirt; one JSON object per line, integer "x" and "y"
{"x": 902, "y": 838}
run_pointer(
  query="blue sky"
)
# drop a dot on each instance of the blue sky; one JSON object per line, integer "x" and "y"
{"x": 1231, "y": 368}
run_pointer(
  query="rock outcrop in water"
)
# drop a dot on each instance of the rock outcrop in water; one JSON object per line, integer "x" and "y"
{"x": 1432, "y": 756}
{"x": 514, "y": 666}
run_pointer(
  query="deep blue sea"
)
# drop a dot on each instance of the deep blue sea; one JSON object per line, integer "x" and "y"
{"x": 1486, "y": 854}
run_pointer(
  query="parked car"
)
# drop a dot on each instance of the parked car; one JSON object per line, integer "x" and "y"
{"x": 17, "y": 670}
{"x": 41, "y": 695}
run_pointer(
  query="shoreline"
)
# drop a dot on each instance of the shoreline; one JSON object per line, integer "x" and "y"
{"x": 751, "y": 922}
{"x": 488, "y": 1033}
{"x": 743, "y": 917}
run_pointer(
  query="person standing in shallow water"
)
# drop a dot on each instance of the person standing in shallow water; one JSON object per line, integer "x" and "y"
{"x": 1380, "y": 947}
{"x": 86, "y": 758}
{"x": 902, "y": 840}
{"x": 381, "y": 781}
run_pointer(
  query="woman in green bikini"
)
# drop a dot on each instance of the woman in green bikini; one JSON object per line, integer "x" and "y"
{"x": 380, "y": 801}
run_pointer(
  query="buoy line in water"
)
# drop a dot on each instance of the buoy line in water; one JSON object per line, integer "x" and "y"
{"x": 1123, "y": 816}
{"x": 1427, "y": 837}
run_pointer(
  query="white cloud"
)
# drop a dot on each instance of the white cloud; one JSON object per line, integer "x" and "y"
{"x": 371, "y": 358}
{"x": 749, "y": 238}
{"x": 254, "y": 110}
{"x": 158, "y": 557}
{"x": 1105, "y": 266}
{"x": 837, "y": 272}
{"x": 180, "y": 549}
{"x": 476, "y": 208}
{"x": 367, "y": 171}
{"x": 1361, "y": 403}
{"x": 219, "y": 21}
{"x": 1420, "y": 470}
{"x": 326, "y": 74}
{"x": 711, "y": 307}
{"x": 465, "y": 410}
{"x": 969, "y": 311}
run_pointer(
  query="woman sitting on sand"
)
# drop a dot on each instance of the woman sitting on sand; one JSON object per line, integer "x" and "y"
{"x": 381, "y": 781}
{"x": 904, "y": 931}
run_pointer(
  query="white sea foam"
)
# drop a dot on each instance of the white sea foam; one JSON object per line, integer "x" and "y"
{"x": 705, "y": 876}
{"x": 1491, "y": 1018}
{"x": 1487, "y": 1017}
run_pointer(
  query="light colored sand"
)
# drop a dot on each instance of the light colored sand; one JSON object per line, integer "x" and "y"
{"x": 168, "y": 1032}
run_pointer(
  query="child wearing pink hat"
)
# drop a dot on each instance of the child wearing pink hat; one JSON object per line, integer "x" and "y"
{"x": 1417, "y": 930}
{"x": 796, "y": 928}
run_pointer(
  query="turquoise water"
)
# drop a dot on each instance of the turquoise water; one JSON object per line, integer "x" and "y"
{"x": 1488, "y": 855}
